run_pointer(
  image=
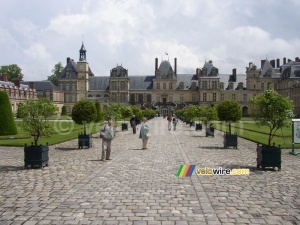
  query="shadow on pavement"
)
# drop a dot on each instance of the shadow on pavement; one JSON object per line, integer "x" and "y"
{"x": 11, "y": 168}
{"x": 67, "y": 149}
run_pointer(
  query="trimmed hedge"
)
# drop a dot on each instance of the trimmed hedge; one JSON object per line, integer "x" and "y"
{"x": 8, "y": 126}
{"x": 84, "y": 110}
{"x": 64, "y": 111}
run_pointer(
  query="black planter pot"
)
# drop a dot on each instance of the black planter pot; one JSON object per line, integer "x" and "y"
{"x": 230, "y": 140}
{"x": 198, "y": 126}
{"x": 192, "y": 124}
{"x": 124, "y": 126}
{"x": 210, "y": 132}
{"x": 268, "y": 156}
{"x": 36, "y": 156}
{"x": 85, "y": 140}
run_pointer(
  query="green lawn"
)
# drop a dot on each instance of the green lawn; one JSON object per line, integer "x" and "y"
{"x": 253, "y": 132}
{"x": 64, "y": 131}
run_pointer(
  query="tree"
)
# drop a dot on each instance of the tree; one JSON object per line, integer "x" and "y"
{"x": 8, "y": 126}
{"x": 64, "y": 111}
{"x": 125, "y": 112}
{"x": 99, "y": 116}
{"x": 84, "y": 110}
{"x": 198, "y": 112}
{"x": 21, "y": 112}
{"x": 36, "y": 121}
{"x": 13, "y": 71}
{"x": 56, "y": 71}
{"x": 271, "y": 109}
{"x": 190, "y": 112}
{"x": 229, "y": 111}
{"x": 112, "y": 110}
{"x": 209, "y": 114}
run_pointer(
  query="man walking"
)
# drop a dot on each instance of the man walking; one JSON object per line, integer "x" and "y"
{"x": 107, "y": 133}
{"x": 133, "y": 123}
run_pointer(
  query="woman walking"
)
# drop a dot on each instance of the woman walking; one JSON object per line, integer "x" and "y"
{"x": 144, "y": 132}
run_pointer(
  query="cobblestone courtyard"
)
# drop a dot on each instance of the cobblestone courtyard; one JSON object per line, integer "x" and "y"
{"x": 140, "y": 186}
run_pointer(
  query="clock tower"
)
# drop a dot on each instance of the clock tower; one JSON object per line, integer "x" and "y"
{"x": 83, "y": 75}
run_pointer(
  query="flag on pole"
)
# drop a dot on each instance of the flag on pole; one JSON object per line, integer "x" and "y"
{"x": 167, "y": 53}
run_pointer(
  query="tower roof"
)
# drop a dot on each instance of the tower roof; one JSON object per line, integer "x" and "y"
{"x": 165, "y": 67}
{"x": 82, "y": 47}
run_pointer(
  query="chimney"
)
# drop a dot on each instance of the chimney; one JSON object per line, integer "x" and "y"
{"x": 175, "y": 66}
{"x": 262, "y": 63}
{"x": 156, "y": 64}
{"x": 31, "y": 85}
{"x": 289, "y": 60}
{"x": 284, "y": 61}
{"x": 4, "y": 77}
{"x": 16, "y": 81}
{"x": 297, "y": 59}
{"x": 197, "y": 72}
{"x": 68, "y": 60}
{"x": 234, "y": 74}
{"x": 272, "y": 63}
{"x": 278, "y": 63}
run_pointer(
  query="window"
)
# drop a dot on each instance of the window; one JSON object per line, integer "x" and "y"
{"x": 214, "y": 84}
{"x": 204, "y": 97}
{"x": 67, "y": 87}
{"x": 157, "y": 98}
{"x": 73, "y": 87}
{"x": 170, "y": 86}
{"x": 113, "y": 97}
{"x": 140, "y": 98}
{"x": 74, "y": 98}
{"x": 269, "y": 85}
{"x": 233, "y": 97}
{"x": 245, "y": 99}
{"x": 148, "y": 97}
{"x": 214, "y": 97}
{"x": 123, "y": 87}
{"x": 123, "y": 97}
{"x": 222, "y": 97}
{"x": 204, "y": 84}
{"x": 181, "y": 98}
{"x": 164, "y": 86}
{"x": 113, "y": 85}
{"x": 262, "y": 86}
{"x": 170, "y": 98}
{"x": 61, "y": 86}
{"x": 254, "y": 87}
{"x": 158, "y": 86}
{"x": 194, "y": 98}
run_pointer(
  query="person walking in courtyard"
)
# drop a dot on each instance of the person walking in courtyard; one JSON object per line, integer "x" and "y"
{"x": 144, "y": 132}
{"x": 169, "y": 118}
{"x": 175, "y": 120}
{"x": 133, "y": 123}
{"x": 107, "y": 133}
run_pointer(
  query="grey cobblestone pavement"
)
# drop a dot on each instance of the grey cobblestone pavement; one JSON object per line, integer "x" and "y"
{"x": 140, "y": 187}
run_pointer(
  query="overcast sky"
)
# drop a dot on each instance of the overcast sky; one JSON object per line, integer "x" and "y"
{"x": 37, "y": 34}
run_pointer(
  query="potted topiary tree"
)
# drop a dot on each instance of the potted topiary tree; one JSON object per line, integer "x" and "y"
{"x": 36, "y": 123}
{"x": 274, "y": 111}
{"x": 125, "y": 112}
{"x": 209, "y": 114}
{"x": 229, "y": 111}
{"x": 84, "y": 112}
{"x": 199, "y": 115}
{"x": 64, "y": 111}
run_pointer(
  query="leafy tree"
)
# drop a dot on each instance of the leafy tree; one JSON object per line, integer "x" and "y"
{"x": 99, "y": 112}
{"x": 84, "y": 110}
{"x": 36, "y": 121}
{"x": 148, "y": 113}
{"x": 13, "y": 71}
{"x": 209, "y": 114}
{"x": 198, "y": 111}
{"x": 21, "y": 112}
{"x": 125, "y": 112}
{"x": 56, "y": 71}
{"x": 7, "y": 123}
{"x": 190, "y": 112}
{"x": 112, "y": 110}
{"x": 229, "y": 111}
{"x": 64, "y": 111}
{"x": 271, "y": 109}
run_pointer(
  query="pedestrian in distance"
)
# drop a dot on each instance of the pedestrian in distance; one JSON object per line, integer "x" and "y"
{"x": 169, "y": 118}
{"x": 144, "y": 132}
{"x": 107, "y": 133}
{"x": 133, "y": 123}
{"x": 174, "y": 121}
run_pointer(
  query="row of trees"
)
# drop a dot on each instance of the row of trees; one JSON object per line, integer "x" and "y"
{"x": 13, "y": 71}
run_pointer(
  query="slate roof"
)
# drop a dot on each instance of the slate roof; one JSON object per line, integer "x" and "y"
{"x": 42, "y": 85}
{"x": 267, "y": 65}
{"x": 165, "y": 67}
{"x": 99, "y": 83}
{"x": 72, "y": 67}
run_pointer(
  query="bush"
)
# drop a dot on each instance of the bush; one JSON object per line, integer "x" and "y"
{"x": 125, "y": 112}
{"x": 8, "y": 126}
{"x": 99, "y": 116}
{"x": 229, "y": 111}
{"x": 21, "y": 112}
{"x": 84, "y": 110}
{"x": 64, "y": 111}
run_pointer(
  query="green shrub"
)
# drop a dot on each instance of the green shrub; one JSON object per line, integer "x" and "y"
{"x": 21, "y": 112}
{"x": 64, "y": 111}
{"x": 8, "y": 126}
{"x": 99, "y": 116}
{"x": 84, "y": 110}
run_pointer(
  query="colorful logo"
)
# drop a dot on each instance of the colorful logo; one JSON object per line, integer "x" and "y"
{"x": 186, "y": 170}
